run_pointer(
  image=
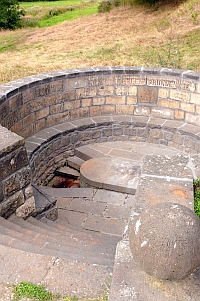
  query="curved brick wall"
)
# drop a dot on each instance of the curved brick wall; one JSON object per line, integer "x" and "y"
{"x": 161, "y": 106}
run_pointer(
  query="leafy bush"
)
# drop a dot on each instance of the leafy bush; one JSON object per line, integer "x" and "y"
{"x": 106, "y": 5}
{"x": 10, "y": 13}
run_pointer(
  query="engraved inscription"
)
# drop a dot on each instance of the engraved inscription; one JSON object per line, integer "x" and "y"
{"x": 187, "y": 85}
{"x": 147, "y": 94}
{"x": 170, "y": 83}
{"x": 134, "y": 80}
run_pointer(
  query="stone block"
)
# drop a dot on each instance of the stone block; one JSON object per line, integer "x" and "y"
{"x": 169, "y": 103}
{"x": 179, "y": 114}
{"x": 1, "y": 193}
{"x": 29, "y": 119}
{"x": 94, "y": 111}
{"x": 27, "y": 131}
{"x": 180, "y": 95}
{"x": 86, "y": 102}
{"x": 163, "y": 113}
{"x": 42, "y": 113}
{"x": 163, "y": 93}
{"x": 98, "y": 101}
{"x": 16, "y": 101}
{"x": 36, "y": 104}
{"x": 25, "y": 110}
{"x": 71, "y": 105}
{"x": 50, "y": 100}
{"x": 54, "y": 109}
{"x": 4, "y": 110}
{"x": 39, "y": 125}
{"x": 124, "y": 109}
{"x": 133, "y": 80}
{"x": 79, "y": 113}
{"x": 156, "y": 133}
{"x": 42, "y": 90}
{"x": 11, "y": 204}
{"x": 28, "y": 191}
{"x": 87, "y": 92}
{"x": 27, "y": 209}
{"x": 76, "y": 82}
{"x": 130, "y": 131}
{"x": 168, "y": 136}
{"x": 111, "y": 79}
{"x": 13, "y": 162}
{"x": 142, "y": 110}
{"x": 28, "y": 95}
{"x": 57, "y": 118}
{"x": 195, "y": 98}
{"x": 105, "y": 91}
{"x": 56, "y": 86}
{"x": 114, "y": 100}
{"x": 68, "y": 95}
{"x": 10, "y": 120}
{"x": 189, "y": 107}
{"x": 147, "y": 94}
{"x": 24, "y": 177}
{"x": 17, "y": 127}
{"x": 131, "y": 100}
{"x": 162, "y": 82}
{"x": 126, "y": 90}
{"x": 107, "y": 109}
{"x": 11, "y": 185}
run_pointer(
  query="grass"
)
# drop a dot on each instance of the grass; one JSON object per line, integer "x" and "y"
{"x": 127, "y": 35}
{"x": 49, "y": 13}
{"x": 197, "y": 197}
{"x": 68, "y": 16}
{"x": 33, "y": 292}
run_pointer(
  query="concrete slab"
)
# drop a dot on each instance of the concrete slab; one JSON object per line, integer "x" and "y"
{"x": 75, "y": 162}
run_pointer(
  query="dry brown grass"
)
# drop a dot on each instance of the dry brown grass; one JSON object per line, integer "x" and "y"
{"x": 125, "y": 36}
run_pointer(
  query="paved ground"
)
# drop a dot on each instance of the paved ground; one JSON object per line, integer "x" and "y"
{"x": 166, "y": 174}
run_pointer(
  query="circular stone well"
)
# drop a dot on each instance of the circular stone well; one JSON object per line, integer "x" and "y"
{"x": 164, "y": 241}
{"x": 115, "y": 174}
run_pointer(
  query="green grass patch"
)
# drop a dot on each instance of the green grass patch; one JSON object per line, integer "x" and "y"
{"x": 197, "y": 197}
{"x": 42, "y": 4}
{"x": 7, "y": 43}
{"x": 68, "y": 16}
{"x": 33, "y": 292}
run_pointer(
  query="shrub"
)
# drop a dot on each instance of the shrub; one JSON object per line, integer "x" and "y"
{"x": 10, "y": 13}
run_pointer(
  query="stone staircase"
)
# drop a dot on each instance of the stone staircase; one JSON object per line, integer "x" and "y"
{"x": 70, "y": 246}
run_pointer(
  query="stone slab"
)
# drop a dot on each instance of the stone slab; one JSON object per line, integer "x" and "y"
{"x": 75, "y": 162}
{"x": 175, "y": 166}
{"x": 129, "y": 282}
{"x": 154, "y": 190}
{"x": 67, "y": 192}
{"x": 104, "y": 225}
{"x": 111, "y": 197}
{"x": 81, "y": 205}
{"x": 68, "y": 171}
{"x": 116, "y": 174}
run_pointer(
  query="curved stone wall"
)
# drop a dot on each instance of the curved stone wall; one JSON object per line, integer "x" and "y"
{"x": 56, "y": 111}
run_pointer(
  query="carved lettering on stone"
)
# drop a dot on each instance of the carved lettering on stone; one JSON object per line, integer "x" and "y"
{"x": 188, "y": 85}
{"x": 134, "y": 80}
{"x": 160, "y": 82}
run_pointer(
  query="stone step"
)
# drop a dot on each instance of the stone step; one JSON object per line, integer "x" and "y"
{"x": 87, "y": 153}
{"x": 75, "y": 162}
{"x": 36, "y": 243}
{"x": 59, "y": 225}
{"x": 67, "y": 192}
{"x": 76, "y": 241}
{"x": 68, "y": 172}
